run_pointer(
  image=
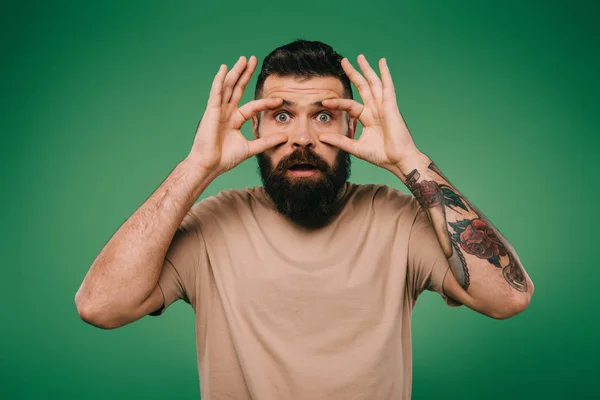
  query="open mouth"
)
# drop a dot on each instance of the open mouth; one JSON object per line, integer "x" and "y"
{"x": 303, "y": 167}
{"x": 303, "y": 170}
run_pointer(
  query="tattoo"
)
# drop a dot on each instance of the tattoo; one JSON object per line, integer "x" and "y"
{"x": 514, "y": 275}
{"x": 412, "y": 178}
{"x": 476, "y": 238}
{"x": 435, "y": 169}
{"x": 473, "y": 236}
{"x": 459, "y": 267}
{"x": 428, "y": 193}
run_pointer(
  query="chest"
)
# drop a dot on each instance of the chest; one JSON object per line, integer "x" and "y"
{"x": 305, "y": 287}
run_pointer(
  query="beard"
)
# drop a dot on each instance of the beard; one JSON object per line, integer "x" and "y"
{"x": 308, "y": 201}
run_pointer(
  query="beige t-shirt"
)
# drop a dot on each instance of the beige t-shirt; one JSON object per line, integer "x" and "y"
{"x": 287, "y": 313}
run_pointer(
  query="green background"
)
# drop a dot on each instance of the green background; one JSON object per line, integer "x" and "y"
{"x": 100, "y": 102}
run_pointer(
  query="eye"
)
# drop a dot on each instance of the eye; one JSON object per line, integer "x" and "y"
{"x": 324, "y": 117}
{"x": 282, "y": 117}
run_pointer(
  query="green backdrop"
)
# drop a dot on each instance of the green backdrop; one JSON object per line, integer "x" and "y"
{"x": 100, "y": 101}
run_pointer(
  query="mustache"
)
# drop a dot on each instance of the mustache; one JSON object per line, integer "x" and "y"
{"x": 303, "y": 156}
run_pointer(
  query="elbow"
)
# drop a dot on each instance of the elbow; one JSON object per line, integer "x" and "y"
{"x": 91, "y": 314}
{"x": 516, "y": 305}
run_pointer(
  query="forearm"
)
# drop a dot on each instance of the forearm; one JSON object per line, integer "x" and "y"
{"x": 127, "y": 269}
{"x": 483, "y": 262}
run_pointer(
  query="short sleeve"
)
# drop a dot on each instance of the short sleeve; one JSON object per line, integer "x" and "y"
{"x": 181, "y": 264}
{"x": 427, "y": 263}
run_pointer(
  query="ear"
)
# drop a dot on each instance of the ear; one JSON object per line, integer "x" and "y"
{"x": 255, "y": 126}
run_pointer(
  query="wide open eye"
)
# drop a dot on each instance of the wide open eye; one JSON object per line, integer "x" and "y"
{"x": 324, "y": 117}
{"x": 282, "y": 117}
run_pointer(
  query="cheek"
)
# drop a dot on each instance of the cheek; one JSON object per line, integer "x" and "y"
{"x": 330, "y": 156}
{"x": 269, "y": 127}
{"x": 274, "y": 156}
{"x": 337, "y": 126}
{"x": 265, "y": 127}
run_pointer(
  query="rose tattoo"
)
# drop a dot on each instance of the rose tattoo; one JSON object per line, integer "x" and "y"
{"x": 428, "y": 193}
{"x": 479, "y": 240}
{"x": 475, "y": 237}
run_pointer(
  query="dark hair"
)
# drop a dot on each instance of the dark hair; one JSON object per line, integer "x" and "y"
{"x": 303, "y": 59}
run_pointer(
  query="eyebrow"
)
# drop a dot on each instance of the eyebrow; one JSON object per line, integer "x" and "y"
{"x": 290, "y": 103}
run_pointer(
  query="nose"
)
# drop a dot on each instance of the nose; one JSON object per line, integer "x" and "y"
{"x": 302, "y": 136}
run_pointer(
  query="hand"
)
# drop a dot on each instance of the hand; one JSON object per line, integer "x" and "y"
{"x": 219, "y": 145}
{"x": 385, "y": 140}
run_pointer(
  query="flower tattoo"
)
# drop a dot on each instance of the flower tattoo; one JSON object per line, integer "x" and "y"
{"x": 428, "y": 193}
{"x": 475, "y": 237}
{"x": 471, "y": 236}
{"x": 479, "y": 240}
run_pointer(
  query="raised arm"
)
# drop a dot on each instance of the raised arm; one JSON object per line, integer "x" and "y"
{"x": 121, "y": 285}
{"x": 487, "y": 275}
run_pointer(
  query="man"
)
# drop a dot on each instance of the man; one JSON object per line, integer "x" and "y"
{"x": 303, "y": 288}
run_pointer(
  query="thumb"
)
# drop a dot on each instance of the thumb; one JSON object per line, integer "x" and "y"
{"x": 340, "y": 141}
{"x": 257, "y": 146}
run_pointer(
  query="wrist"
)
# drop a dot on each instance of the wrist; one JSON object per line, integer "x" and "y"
{"x": 415, "y": 160}
{"x": 199, "y": 176}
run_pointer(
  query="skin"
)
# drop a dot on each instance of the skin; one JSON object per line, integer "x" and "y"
{"x": 303, "y": 122}
{"x": 495, "y": 286}
{"x": 121, "y": 285}
{"x": 487, "y": 275}
{"x": 219, "y": 145}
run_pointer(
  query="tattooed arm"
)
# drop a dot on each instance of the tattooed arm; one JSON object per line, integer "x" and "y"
{"x": 487, "y": 274}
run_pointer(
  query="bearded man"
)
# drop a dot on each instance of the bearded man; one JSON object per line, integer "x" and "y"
{"x": 303, "y": 288}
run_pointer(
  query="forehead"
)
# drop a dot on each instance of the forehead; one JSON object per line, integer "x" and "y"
{"x": 301, "y": 90}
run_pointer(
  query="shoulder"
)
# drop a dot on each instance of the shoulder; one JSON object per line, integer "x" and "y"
{"x": 227, "y": 204}
{"x": 382, "y": 197}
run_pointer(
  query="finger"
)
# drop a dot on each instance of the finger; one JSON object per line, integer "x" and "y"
{"x": 250, "y": 109}
{"x": 232, "y": 78}
{"x": 353, "y": 107}
{"x": 265, "y": 143}
{"x": 372, "y": 78}
{"x": 389, "y": 92}
{"x": 214, "y": 98}
{"x": 240, "y": 86}
{"x": 340, "y": 141}
{"x": 359, "y": 81}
